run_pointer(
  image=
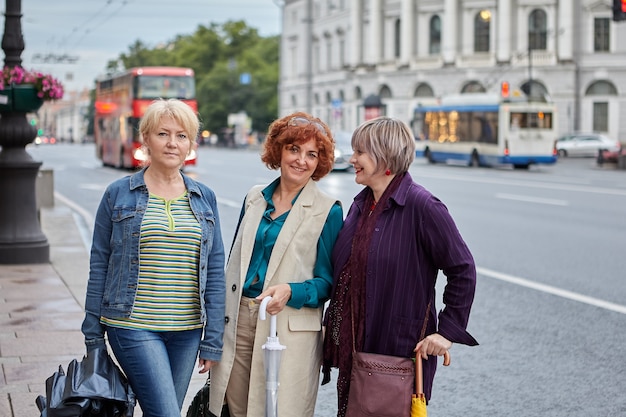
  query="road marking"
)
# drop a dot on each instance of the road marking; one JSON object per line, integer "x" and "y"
{"x": 530, "y": 199}
{"x": 228, "y": 203}
{"x": 84, "y": 230}
{"x": 520, "y": 183}
{"x": 553, "y": 290}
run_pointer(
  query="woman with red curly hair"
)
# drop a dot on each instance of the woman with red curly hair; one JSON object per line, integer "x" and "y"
{"x": 281, "y": 249}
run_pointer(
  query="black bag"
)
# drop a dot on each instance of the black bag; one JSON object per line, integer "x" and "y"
{"x": 199, "y": 406}
{"x": 93, "y": 387}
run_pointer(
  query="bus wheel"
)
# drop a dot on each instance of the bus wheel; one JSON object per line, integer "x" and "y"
{"x": 520, "y": 166}
{"x": 474, "y": 161}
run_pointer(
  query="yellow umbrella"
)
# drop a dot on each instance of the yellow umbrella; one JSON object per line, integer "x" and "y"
{"x": 418, "y": 400}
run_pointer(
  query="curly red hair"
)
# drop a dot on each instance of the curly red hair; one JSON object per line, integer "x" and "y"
{"x": 294, "y": 128}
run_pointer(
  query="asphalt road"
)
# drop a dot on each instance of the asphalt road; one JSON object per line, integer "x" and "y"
{"x": 550, "y": 307}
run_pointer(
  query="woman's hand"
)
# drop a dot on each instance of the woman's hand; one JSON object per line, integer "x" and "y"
{"x": 280, "y": 294}
{"x": 204, "y": 365}
{"x": 434, "y": 344}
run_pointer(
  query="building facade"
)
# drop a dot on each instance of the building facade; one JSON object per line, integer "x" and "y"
{"x": 338, "y": 54}
{"x": 66, "y": 119}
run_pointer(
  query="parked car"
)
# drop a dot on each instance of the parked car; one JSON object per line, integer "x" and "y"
{"x": 585, "y": 144}
{"x": 343, "y": 150}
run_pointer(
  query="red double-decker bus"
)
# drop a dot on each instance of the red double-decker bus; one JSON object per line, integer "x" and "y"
{"x": 120, "y": 103}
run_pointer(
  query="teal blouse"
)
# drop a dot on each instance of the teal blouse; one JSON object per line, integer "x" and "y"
{"x": 312, "y": 292}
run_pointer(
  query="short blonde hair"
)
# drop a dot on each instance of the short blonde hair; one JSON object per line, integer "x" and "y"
{"x": 388, "y": 141}
{"x": 177, "y": 110}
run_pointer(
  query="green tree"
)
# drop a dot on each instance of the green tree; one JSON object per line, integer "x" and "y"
{"x": 219, "y": 54}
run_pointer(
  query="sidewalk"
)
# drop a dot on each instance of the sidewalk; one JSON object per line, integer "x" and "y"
{"x": 41, "y": 310}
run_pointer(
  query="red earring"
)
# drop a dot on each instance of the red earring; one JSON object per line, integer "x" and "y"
{"x": 388, "y": 172}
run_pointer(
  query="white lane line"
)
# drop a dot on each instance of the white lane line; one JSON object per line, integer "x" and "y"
{"x": 553, "y": 290}
{"x": 530, "y": 199}
{"x": 520, "y": 183}
{"x": 228, "y": 203}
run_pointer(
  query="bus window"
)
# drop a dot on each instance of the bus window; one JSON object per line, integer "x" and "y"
{"x": 531, "y": 120}
{"x": 152, "y": 87}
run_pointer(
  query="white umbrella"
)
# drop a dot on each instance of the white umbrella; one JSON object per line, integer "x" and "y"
{"x": 273, "y": 351}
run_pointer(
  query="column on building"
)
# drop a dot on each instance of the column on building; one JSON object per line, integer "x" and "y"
{"x": 407, "y": 38}
{"x": 356, "y": 34}
{"x": 565, "y": 37}
{"x": 449, "y": 34}
{"x": 376, "y": 32}
{"x": 505, "y": 33}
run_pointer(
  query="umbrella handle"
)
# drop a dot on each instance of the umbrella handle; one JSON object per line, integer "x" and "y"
{"x": 446, "y": 359}
{"x": 262, "y": 315}
{"x": 419, "y": 384}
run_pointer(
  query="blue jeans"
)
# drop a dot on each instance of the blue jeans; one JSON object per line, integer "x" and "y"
{"x": 158, "y": 366}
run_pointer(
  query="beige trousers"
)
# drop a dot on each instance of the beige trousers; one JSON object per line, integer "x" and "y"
{"x": 239, "y": 382}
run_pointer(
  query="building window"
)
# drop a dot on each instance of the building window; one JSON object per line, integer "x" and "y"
{"x": 385, "y": 92}
{"x": 601, "y": 108}
{"x": 396, "y": 39}
{"x": 423, "y": 90}
{"x": 482, "y": 24}
{"x": 358, "y": 94}
{"x": 537, "y": 30}
{"x": 435, "y": 35}
{"x": 601, "y": 117}
{"x": 473, "y": 87}
{"x": 601, "y": 34}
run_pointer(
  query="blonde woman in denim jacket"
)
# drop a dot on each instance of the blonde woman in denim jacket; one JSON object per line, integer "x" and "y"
{"x": 156, "y": 282}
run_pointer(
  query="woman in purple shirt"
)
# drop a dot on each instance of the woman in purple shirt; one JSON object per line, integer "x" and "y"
{"x": 395, "y": 239}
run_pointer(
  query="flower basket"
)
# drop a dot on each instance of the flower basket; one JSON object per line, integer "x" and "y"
{"x": 25, "y": 91}
{"x": 20, "y": 98}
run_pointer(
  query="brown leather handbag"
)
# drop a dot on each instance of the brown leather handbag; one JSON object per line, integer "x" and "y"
{"x": 381, "y": 385}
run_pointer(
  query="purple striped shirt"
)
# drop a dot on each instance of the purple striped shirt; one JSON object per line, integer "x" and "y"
{"x": 414, "y": 238}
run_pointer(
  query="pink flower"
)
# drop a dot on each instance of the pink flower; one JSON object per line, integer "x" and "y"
{"x": 48, "y": 87}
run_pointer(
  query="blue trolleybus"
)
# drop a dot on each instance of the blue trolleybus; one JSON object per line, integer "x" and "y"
{"x": 480, "y": 129}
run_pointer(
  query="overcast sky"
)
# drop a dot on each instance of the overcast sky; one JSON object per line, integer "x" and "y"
{"x": 96, "y": 31}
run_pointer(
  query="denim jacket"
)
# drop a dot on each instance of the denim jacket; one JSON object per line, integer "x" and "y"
{"x": 114, "y": 262}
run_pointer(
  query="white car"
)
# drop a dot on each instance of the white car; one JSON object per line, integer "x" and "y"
{"x": 585, "y": 144}
{"x": 343, "y": 150}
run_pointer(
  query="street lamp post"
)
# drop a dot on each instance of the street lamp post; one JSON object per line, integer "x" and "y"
{"x": 21, "y": 238}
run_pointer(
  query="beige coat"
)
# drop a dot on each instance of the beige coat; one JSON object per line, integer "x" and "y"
{"x": 300, "y": 330}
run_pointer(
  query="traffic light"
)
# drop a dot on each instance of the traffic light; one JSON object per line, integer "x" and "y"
{"x": 505, "y": 90}
{"x": 619, "y": 10}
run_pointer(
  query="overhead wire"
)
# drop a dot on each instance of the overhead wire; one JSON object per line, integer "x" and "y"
{"x": 75, "y": 30}
{"x": 103, "y": 21}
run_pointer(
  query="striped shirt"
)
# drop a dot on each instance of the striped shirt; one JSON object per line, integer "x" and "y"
{"x": 167, "y": 290}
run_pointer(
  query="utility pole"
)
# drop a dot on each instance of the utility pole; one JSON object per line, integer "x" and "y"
{"x": 21, "y": 238}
